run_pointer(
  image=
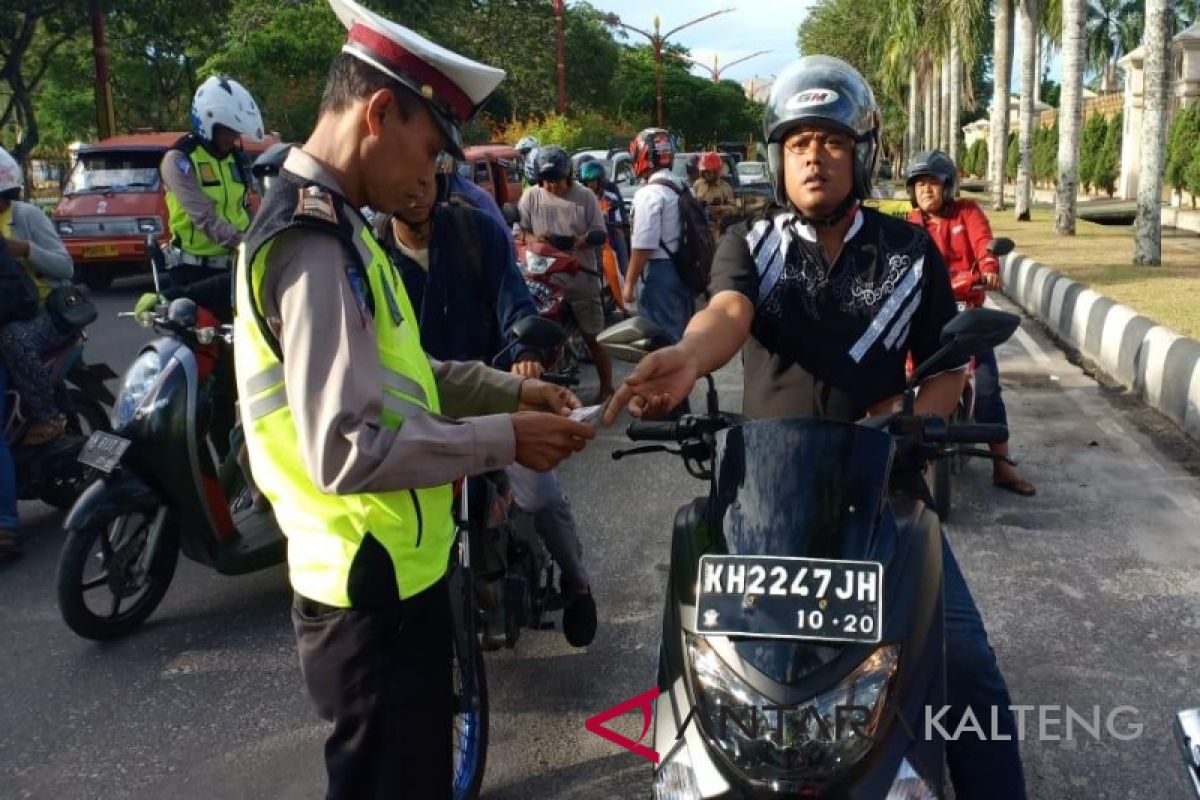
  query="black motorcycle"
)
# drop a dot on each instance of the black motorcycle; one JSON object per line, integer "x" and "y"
{"x": 803, "y": 633}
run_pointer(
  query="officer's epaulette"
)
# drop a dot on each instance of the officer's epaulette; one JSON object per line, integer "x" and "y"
{"x": 316, "y": 204}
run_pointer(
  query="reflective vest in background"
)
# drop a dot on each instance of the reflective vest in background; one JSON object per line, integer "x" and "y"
{"x": 223, "y": 183}
{"x": 343, "y": 550}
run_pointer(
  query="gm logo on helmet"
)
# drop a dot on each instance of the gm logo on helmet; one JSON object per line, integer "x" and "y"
{"x": 810, "y": 98}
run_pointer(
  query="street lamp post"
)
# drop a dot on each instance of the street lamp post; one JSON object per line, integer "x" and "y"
{"x": 657, "y": 40}
{"x": 716, "y": 70}
{"x": 562, "y": 58}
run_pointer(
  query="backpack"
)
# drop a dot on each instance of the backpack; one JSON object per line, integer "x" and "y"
{"x": 694, "y": 257}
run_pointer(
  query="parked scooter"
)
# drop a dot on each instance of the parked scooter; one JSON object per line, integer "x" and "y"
{"x": 159, "y": 489}
{"x": 969, "y": 292}
{"x": 803, "y": 631}
{"x": 50, "y": 472}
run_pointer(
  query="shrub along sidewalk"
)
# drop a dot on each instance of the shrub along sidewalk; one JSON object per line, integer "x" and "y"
{"x": 1100, "y": 256}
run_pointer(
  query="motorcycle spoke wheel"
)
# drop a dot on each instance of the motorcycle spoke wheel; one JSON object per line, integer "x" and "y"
{"x": 470, "y": 725}
{"x": 112, "y": 555}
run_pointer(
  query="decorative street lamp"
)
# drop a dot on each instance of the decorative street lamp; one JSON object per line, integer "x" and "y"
{"x": 716, "y": 69}
{"x": 658, "y": 40}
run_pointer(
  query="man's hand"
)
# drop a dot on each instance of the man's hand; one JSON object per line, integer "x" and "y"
{"x": 540, "y": 396}
{"x": 545, "y": 440}
{"x": 629, "y": 292}
{"x": 662, "y": 380}
{"x": 992, "y": 281}
{"x": 528, "y": 367}
{"x": 147, "y": 302}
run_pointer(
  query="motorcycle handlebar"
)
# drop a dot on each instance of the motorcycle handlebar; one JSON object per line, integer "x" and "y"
{"x": 970, "y": 433}
{"x": 653, "y": 431}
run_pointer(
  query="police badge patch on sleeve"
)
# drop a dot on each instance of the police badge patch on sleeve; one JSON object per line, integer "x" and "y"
{"x": 184, "y": 164}
{"x": 316, "y": 203}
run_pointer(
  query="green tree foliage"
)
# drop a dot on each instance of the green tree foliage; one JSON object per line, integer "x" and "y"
{"x": 1181, "y": 142}
{"x": 1012, "y": 158}
{"x": 574, "y": 132}
{"x": 976, "y": 162}
{"x": 1045, "y": 155}
{"x": 1091, "y": 143}
{"x": 1108, "y": 165}
{"x": 1191, "y": 173}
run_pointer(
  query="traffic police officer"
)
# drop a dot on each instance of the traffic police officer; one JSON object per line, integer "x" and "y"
{"x": 354, "y": 433}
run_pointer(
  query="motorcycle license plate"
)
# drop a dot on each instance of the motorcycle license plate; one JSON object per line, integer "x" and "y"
{"x": 103, "y": 451}
{"x": 777, "y": 597}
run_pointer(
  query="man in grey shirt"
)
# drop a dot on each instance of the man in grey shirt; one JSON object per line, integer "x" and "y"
{"x": 558, "y": 206}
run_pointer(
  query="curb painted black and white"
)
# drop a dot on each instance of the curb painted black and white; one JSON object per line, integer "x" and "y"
{"x": 1160, "y": 365}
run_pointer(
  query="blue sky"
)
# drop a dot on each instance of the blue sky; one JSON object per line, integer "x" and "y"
{"x": 755, "y": 25}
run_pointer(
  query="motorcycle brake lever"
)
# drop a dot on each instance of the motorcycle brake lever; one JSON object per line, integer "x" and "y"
{"x": 643, "y": 450}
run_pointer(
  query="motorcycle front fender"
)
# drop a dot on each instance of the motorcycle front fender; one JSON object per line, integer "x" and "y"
{"x": 110, "y": 497}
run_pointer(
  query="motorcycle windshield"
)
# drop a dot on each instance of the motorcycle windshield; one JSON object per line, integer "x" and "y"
{"x": 808, "y": 488}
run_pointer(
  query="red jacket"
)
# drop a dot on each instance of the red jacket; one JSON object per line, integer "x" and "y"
{"x": 962, "y": 237}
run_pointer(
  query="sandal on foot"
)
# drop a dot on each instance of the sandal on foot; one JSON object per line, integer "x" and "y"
{"x": 1016, "y": 486}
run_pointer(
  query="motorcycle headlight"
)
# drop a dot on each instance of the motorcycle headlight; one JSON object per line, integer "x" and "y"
{"x": 810, "y": 740}
{"x": 141, "y": 376}
{"x": 909, "y": 785}
{"x": 537, "y": 265}
{"x": 674, "y": 779}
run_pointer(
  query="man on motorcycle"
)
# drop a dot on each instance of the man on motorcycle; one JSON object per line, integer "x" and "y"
{"x": 714, "y": 192}
{"x": 354, "y": 433}
{"x": 458, "y": 268}
{"x": 558, "y": 206}
{"x": 527, "y": 148}
{"x": 29, "y": 238}
{"x": 961, "y": 232}
{"x": 663, "y": 298}
{"x": 828, "y": 298}
{"x": 592, "y": 175}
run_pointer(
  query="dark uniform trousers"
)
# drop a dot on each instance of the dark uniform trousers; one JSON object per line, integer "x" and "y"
{"x": 383, "y": 677}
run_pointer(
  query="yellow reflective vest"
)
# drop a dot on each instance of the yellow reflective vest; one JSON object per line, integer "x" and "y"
{"x": 341, "y": 548}
{"x": 223, "y": 183}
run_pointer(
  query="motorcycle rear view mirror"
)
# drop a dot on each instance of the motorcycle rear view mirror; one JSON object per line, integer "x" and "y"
{"x": 633, "y": 339}
{"x": 967, "y": 334}
{"x": 511, "y": 215}
{"x": 595, "y": 238}
{"x": 539, "y": 333}
{"x": 1000, "y": 247}
{"x": 182, "y": 311}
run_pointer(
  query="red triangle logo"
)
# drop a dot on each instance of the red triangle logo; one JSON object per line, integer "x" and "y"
{"x": 645, "y": 701}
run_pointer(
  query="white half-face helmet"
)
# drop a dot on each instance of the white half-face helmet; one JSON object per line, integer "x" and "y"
{"x": 224, "y": 101}
{"x": 10, "y": 172}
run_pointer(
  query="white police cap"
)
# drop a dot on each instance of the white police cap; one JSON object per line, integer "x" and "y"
{"x": 454, "y": 87}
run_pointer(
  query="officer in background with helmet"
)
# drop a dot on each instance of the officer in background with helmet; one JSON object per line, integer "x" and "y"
{"x": 355, "y": 434}
{"x": 828, "y": 298}
{"x": 714, "y": 192}
{"x": 207, "y": 190}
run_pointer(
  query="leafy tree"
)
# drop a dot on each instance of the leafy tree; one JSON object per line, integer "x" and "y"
{"x": 1045, "y": 154}
{"x": 1090, "y": 145}
{"x": 1192, "y": 171}
{"x": 1181, "y": 142}
{"x": 977, "y": 160}
{"x": 1012, "y": 158}
{"x": 31, "y": 32}
{"x": 1108, "y": 165}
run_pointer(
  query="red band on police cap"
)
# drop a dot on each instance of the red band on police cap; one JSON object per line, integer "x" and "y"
{"x": 396, "y": 58}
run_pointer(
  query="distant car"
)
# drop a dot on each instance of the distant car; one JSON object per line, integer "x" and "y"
{"x": 495, "y": 168}
{"x": 749, "y": 172}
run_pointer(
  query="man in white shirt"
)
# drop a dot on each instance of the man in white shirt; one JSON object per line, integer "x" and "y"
{"x": 657, "y": 232}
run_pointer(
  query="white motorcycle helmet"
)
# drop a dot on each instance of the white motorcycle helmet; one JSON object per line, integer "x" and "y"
{"x": 10, "y": 172}
{"x": 223, "y": 101}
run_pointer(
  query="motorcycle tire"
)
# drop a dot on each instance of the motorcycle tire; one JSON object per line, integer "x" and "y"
{"x": 78, "y": 553}
{"x": 470, "y": 731}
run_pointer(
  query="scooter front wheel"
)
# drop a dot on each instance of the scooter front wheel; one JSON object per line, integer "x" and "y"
{"x": 470, "y": 730}
{"x": 108, "y": 581}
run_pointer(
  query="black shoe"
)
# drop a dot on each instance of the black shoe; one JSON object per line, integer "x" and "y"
{"x": 579, "y": 620}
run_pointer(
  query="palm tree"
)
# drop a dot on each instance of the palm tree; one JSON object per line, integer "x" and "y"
{"x": 956, "y": 79}
{"x": 1002, "y": 59}
{"x": 1027, "y": 19}
{"x": 1113, "y": 29}
{"x": 1070, "y": 115}
{"x": 1147, "y": 228}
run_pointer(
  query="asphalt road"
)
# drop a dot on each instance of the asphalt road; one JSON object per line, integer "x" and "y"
{"x": 1090, "y": 591}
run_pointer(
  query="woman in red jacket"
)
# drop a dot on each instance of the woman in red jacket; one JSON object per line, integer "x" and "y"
{"x": 961, "y": 231}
